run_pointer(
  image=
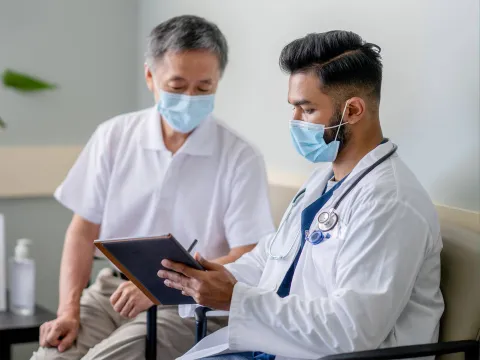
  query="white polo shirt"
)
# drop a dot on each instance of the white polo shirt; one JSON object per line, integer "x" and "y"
{"x": 213, "y": 189}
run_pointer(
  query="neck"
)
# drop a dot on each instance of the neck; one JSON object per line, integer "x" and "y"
{"x": 351, "y": 155}
{"x": 172, "y": 139}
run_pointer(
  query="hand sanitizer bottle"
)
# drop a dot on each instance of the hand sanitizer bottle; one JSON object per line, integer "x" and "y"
{"x": 22, "y": 279}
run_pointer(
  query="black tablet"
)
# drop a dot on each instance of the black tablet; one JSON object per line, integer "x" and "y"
{"x": 140, "y": 259}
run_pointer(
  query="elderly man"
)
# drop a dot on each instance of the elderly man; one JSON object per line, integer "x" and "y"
{"x": 172, "y": 168}
{"x": 356, "y": 263}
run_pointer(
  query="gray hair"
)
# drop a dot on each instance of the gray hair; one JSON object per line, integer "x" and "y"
{"x": 183, "y": 33}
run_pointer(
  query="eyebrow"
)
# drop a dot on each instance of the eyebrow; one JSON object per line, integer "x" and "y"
{"x": 300, "y": 102}
{"x": 179, "y": 78}
{"x": 176, "y": 78}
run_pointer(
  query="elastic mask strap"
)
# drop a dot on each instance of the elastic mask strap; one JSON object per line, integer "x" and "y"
{"x": 341, "y": 122}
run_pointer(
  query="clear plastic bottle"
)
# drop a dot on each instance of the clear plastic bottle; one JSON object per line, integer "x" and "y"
{"x": 22, "y": 279}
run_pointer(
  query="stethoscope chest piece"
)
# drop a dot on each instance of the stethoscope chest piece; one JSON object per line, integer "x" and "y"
{"x": 327, "y": 220}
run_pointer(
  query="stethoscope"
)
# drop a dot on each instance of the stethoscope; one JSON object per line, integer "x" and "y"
{"x": 328, "y": 219}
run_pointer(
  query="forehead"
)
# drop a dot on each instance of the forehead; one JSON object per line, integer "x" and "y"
{"x": 305, "y": 87}
{"x": 194, "y": 64}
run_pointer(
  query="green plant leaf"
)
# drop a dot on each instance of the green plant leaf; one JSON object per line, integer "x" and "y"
{"x": 24, "y": 82}
{"x": 3, "y": 125}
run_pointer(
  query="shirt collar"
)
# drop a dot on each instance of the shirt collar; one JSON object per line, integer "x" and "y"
{"x": 201, "y": 141}
{"x": 150, "y": 136}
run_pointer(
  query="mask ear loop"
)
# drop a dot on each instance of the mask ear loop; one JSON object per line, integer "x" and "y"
{"x": 341, "y": 121}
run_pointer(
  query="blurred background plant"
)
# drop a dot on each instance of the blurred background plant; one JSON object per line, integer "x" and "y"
{"x": 23, "y": 83}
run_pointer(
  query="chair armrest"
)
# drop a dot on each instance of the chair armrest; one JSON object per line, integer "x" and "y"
{"x": 201, "y": 322}
{"x": 469, "y": 347}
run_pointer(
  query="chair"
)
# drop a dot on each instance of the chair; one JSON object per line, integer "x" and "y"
{"x": 151, "y": 339}
{"x": 460, "y": 325}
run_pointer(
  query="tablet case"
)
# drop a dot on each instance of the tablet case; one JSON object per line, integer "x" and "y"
{"x": 140, "y": 259}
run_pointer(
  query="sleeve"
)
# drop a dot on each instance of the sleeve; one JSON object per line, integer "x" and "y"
{"x": 248, "y": 216}
{"x": 85, "y": 187}
{"x": 249, "y": 268}
{"x": 376, "y": 267}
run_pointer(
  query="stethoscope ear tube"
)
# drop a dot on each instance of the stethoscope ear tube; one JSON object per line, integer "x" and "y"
{"x": 298, "y": 196}
{"x": 365, "y": 173}
{"x": 294, "y": 202}
{"x": 327, "y": 220}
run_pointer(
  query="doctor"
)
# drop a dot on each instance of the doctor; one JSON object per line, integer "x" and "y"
{"x": 356, "y": 263}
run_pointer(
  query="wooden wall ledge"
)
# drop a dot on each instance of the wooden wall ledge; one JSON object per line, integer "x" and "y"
{"x": 35, "y": 171}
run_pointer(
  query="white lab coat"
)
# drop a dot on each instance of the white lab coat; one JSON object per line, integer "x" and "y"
{"x": 374, "y": 283}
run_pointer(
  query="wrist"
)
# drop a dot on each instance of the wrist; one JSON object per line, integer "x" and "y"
{"x": 69, "y": 310}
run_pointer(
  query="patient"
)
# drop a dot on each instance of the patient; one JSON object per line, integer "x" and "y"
{"x": 172, "y": 168}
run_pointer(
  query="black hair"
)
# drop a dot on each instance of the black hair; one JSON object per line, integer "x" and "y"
{"x": 187, "y": 32}
{"x": 345, "y": 64}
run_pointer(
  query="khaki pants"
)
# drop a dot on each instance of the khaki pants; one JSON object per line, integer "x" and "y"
{"x": 105, "y": 334}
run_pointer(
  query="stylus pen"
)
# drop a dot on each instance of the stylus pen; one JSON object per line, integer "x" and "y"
{"x": 193, "y": 245}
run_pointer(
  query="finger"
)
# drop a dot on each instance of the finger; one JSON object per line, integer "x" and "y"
{"x": 181, "y": 268}
{"x": 67, "y": 341}
{"x": 133, "y": 313}
{"x": 189, "y": 292}
{"x": 129, "y": 306}
{"x": 174, "y": 285}
{"x": 43, "y": 330}
{"x": 208, "y": 265}
{"x": 192, "y": 294}
{"x": 116, "y": 295}
{"x": 186, "y": 284}
{"x": 54, "y": 335}
{"x": 170, "y": 275}
{"x": 120, "y": 304}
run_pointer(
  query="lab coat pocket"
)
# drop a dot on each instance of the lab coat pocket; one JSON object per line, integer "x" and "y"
{"x": 325, "y": 254}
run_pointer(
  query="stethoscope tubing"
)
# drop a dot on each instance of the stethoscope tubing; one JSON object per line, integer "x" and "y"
{"x": 301, "y": 193}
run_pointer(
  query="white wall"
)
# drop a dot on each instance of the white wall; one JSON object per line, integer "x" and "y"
{"x": 88, "y": 48}
{"x": 430, "y": 104}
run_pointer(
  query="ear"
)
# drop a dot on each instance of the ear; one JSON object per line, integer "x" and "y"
{"x": 355, "y": 110}
{"x": 148, "y": 77}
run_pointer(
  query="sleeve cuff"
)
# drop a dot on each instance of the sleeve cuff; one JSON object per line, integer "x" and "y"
{"x": 75, "y": 208}
{"x": 237, "y": 316}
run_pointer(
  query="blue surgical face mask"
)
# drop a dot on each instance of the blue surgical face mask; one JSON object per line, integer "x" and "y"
{"x": 308, "y": 139}
{"x": 184, "y": 112}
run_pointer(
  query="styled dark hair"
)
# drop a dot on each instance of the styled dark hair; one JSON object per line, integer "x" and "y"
{"x": 345, "y": 64}
{"x": 187, "y": 32}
